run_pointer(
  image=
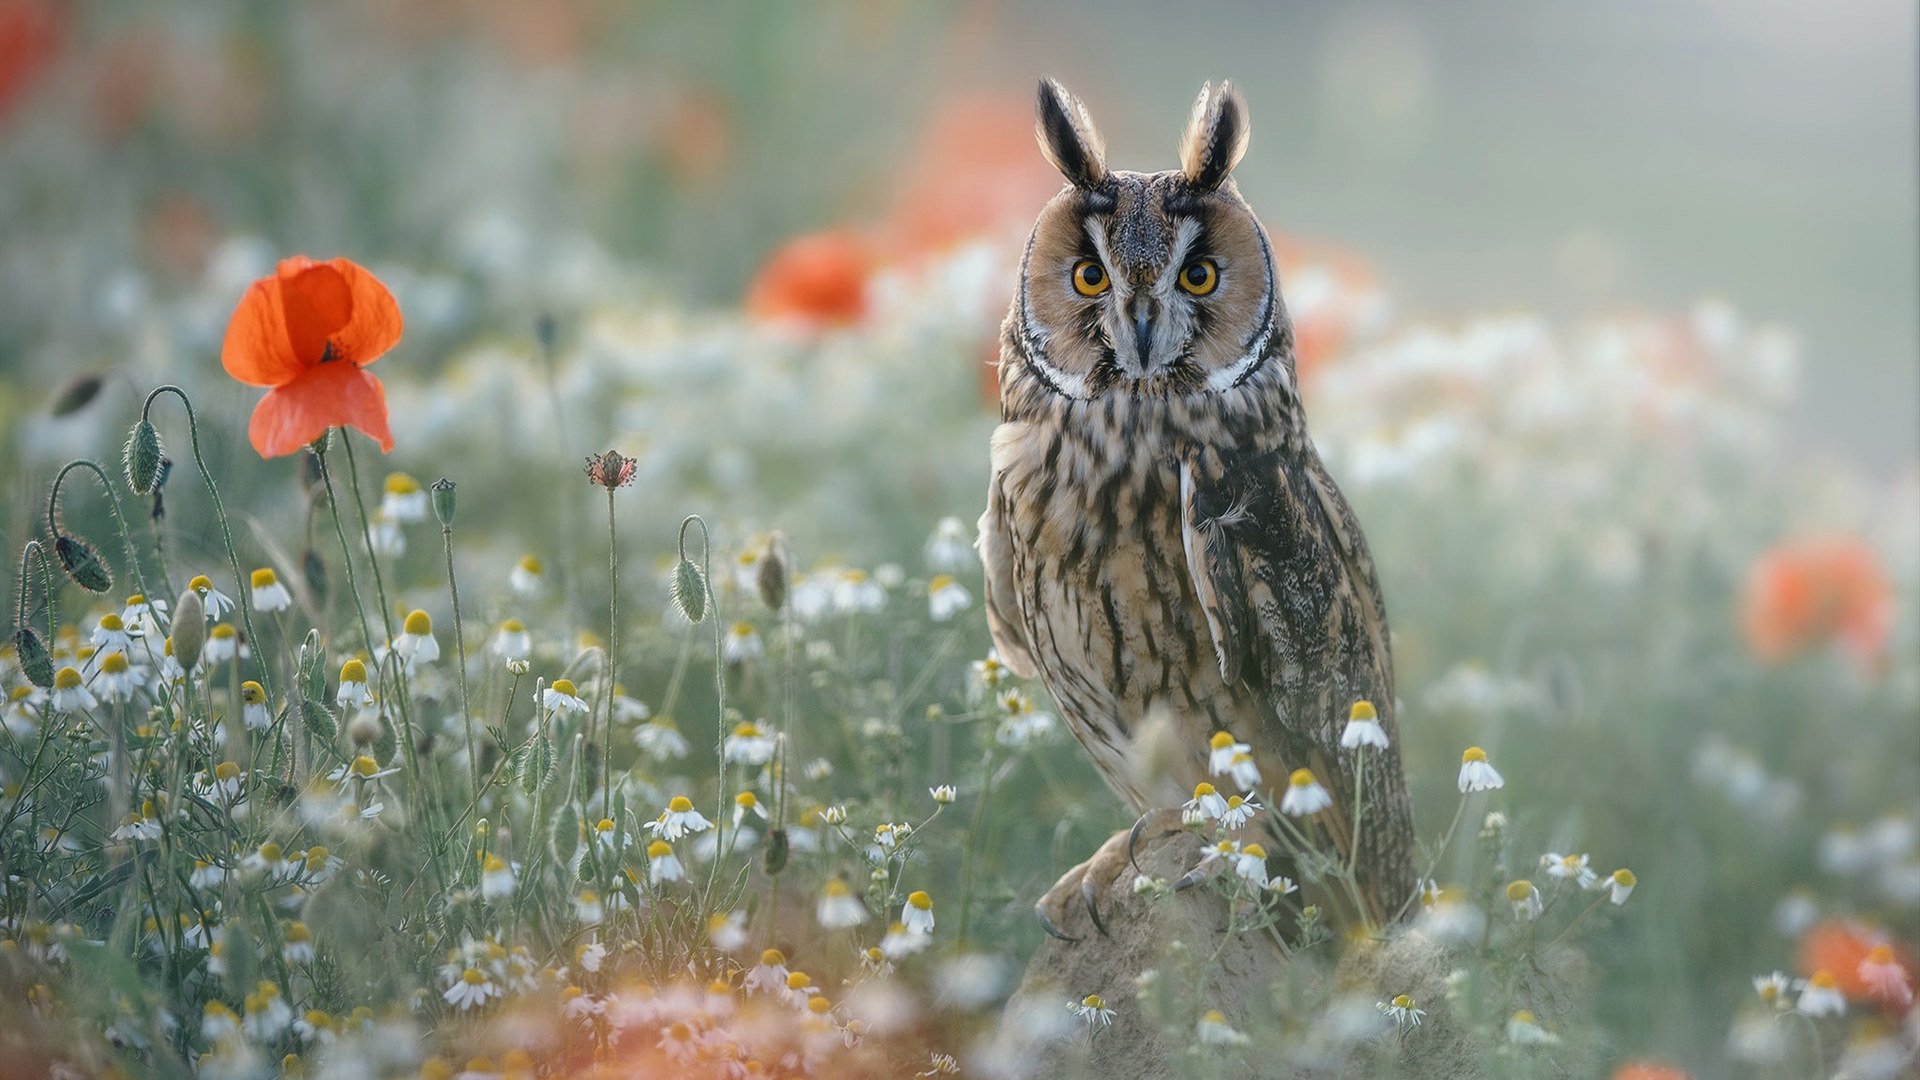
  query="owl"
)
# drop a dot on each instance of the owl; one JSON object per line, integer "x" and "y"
{"x": 1163, "y": 547}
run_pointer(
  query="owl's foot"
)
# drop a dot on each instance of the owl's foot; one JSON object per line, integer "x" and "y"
{"x": 1086, "y": 883}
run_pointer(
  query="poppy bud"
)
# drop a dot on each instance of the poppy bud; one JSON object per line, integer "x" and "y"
{"x": 142, "y": 457}
{"x": 771, "y": 578}
{"x": 690, "y": 590}
{"x": 314, "y": 569}
{"x": 34, "y": 659}
{"x": 775, "y": 859}
{"x": 75, "y": 394}
{"x": 546, "y": 329}
{"x": 82, "y": 564}
{"x": 443, "y": 502}
{"x": 189, "y": 629}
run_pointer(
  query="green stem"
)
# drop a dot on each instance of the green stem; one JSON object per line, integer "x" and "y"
{"x": 460, "y": 662}
{"x": 113, "y": 503}
{"x": 613, "y": 653}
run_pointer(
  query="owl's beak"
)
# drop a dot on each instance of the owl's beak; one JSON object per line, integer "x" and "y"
{"x": 1143, "y": 334}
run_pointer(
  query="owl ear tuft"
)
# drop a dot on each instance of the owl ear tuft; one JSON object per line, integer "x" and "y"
{"x": 1068, "y": 138}
{"x": 1216, "y": 136}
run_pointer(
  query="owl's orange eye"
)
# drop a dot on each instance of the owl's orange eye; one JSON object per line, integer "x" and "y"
{"x": 1090, "y": 278}
{"x": 1200, "y": 277}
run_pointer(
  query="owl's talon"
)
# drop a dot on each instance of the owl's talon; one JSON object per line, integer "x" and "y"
{"x": 1093, "y": 905}
{"x": 1046, "y": 923}
{"x": 1189, "y": 879}
{"x": 1166, "y": 818}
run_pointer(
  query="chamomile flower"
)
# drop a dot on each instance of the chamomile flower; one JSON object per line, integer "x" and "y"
{"x": 70, "y": 693}
{"x": 1221, "y": 750}
{"x": 225, "y": 784}
{"x": 943, "y": 794}
{"x": 946, "y": 598}
{"x": 1525, "y": 899}
{"x": 1619, "y": 885}
{"x": 223, "y": 644}
{"x": 899, "y": 942}
{"x": 660, "y": 739}
{"x": 1304, "y": 795}
{"x": 855, "y": 592}
{"x": 405, "y": 500}
{"x": 769, "y": 975}
{"x": 587, "y": 906}
{"x": 110, "y": 634}
{"x": 1250, "y": 865}
{"x": 563, "y": 696}
{"x": 1206, "y": 805}
{"x": 1821, "y": 995}
{"x": 118, "y": 680}
{"x": 297, "y": 944}
{"x": 1213, "y": 1030}
{"x": 1523, "y": 1029}
{"x": 986, "y": 676}
{"x": 1569, "y": 868}
{"x": 949, "y": 549}
{"x": 511, "y": 640}
{"x": 142, "y": 616}
{"x": 1240, "y": 810}
{"x": 1885, "y": 977}
{"x": 1363, "y": 727}
{"x": 1477, "y": 773}
{"x": 416, "y": 643}
{"x": 678, "y": 819}
{"x": 213, "y": 600}
{"x": 253, "y": 706}
{"x": 728, "y": 931}
{"x": 1772, "y": 988}
{"x": 24, "y": 704}
{"x": 496, "y": 877}
{"x": 1093, "y": 1009}
{"x": 528, "y": 576}
{"x": 388, "y": 538}
{"x": 1402, "y": 1010}
{"x": 745, "y": 805}
{"x": 219, "y": 1022}
{"x": 268, "y": 593}
{"x": 663, "y": 864}
{"x": 839, "y": 908}
{"x": 471, "y": 989}
{"x": 917, "y": 913}
{"x": 353, "y": 686}
{"x": 741, "y": 644}
{"x": 144, "y": 825}
{"x": 267, "y": 1012}
{"x": 748, "y": 745}
{"x": 1242, "y": 769}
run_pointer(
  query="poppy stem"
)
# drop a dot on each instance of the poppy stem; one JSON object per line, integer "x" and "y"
{"x": 241, "y": 582}
{"x": 460, "y": 662}
{"x": 113, "y": 503}
{"x": 719, "y": 695}
{"x": 613, "y": 652}
{"x": 33, "y": 549}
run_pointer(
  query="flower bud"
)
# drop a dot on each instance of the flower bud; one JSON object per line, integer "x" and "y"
{"x": 690, "y": 590}
{"x": 75, "y": 394}
{"x": 142, "y": 457}
{"x": 189, "y": 629}
{"x": 314, "y": 569}
{"x": 363, "y": 730}
{"x": 771, "y": 578}
{"x": 518, "y": 666}
{"x": 35, "y": 661}
{"x": 82, "y": 564}
{"x": 443, "y": 502}
{"x": 775, "y": 859}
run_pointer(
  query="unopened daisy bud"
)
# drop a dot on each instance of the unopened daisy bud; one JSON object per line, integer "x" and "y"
{"x": 1477, "y": 773}
{"x": 943, "y": 794}
{"x": 772, "y": 573}
{"x": 35, "y": 662}
{"x": 82, "y": 564}
{"x": 443, "y": 502}
{"x": 689, "y": 590}
{"x": 779, "y": 846}
{"x": 1525, "y": 899}
{"x": 142, "y": 457}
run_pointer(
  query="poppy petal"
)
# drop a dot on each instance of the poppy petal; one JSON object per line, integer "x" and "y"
{"x": 375, "y": 324}
{"x": 256, "y": 349}
{"x": 293, "y": 415}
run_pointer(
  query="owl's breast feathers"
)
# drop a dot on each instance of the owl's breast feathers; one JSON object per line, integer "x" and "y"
{"x": 1192, "y": 553}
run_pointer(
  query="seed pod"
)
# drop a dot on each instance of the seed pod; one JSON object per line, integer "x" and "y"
{"x": 35, "y": 661}
{"x": 142, "y": 457}
{"x": 318, "y": 718}
{"x": 189, "y": 629}
{"x": 690, "y": 590}
{"x": 443, "y": 502}
{"x": 79, "y": 560}
{"x": 546, "y": 329}
{"x": 75, "y": 394}
{"x": 771, "y": 578}
{"x": 775, "y": 859}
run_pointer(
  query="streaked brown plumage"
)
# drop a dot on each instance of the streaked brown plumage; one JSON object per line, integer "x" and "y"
{"x": 1160, "y": 533}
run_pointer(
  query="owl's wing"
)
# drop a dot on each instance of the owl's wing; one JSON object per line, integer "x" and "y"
{"x": 997, "y": 556}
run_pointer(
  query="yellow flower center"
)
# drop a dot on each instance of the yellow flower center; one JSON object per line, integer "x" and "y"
{"x": 514, "y": 626}
{"x": 66, "y": 679}
{"x": 1220, "y": 741}
{"x": 1402, "y": 1001}
{"x": 921, "y": 900}
{"x": 659, "y": 849}
{"x": 1213, "y": 1016}
{"x": 748, "y": 730}
{"x": 679, "y": 804}
{"x": 1202, "y": 790}
{"x": 836, "y": 888}
{"x": 1880, "y": 954}
{"x": 418, "y": 623}
{"x": 136, "y": 600}
{"x": 224, "y": 632}
{"x": 264, "y": 577}
{"x": 270, "y": 851}
{"x": 746, "y": 800}
{"x": 1523, "y": 1017}
{"x": 798, "y": 980}
{"x": 819, "y": 1004}
{"x": 115, "y": 663}
{"x": 252, "y": 692}
{"x": 1824, "y": 980}
{"x": 201, "y": 583}
{"x": 472, "y": 977}
{"x": 941, "y": 581}
{"x": 565, "y": 686}
{"x": 353, "y": 671}
{"x": 773, "y": 958}
{"x": 401, "y": 484}
{"x": 743, "y": 630}
{"x": 1362, "y": 710}
{"x": 1094, "y": 1001}
{"x": 111, "y": 623}
{"x": 1254, "y": 850}
{"x": 364, "y": 766}
{"x": 1302, "y": 778}
{"x": 1519, "y": 891}
{"x": 1624, "y": 878}
{"x": 1472, "y": 755}
{"x": 531, "y": 564}
{"x": 226, "y": 770}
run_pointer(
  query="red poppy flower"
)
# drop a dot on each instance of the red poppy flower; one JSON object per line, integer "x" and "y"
{"x": 307, "y": 332}
{"x": 1648, "y": 1070}
{"x": 1841, "y": 948}
{"x": 819, "y": 279}
{"x": 1810, "y": 592}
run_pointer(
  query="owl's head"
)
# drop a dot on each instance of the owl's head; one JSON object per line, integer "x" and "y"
{"x": 1147, "y": 283}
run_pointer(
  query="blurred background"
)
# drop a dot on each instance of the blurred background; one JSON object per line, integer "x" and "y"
{"x": 1556, "y": 157}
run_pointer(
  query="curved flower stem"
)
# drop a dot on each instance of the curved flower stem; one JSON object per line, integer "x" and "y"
{"x": 1439, "y": 851}
{"x": 719, "y": 692}
{"x": 35, "y": 549}
{"x": 113, "y": 503}
{"x": 613, "y": 652}
{"x": 241, "y": 582}
{"x": 460, "y": 662}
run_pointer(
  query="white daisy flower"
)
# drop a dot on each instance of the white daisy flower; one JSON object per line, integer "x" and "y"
{"x": 917, "y": 914}
{"x": 1821, "y": 995}
{"x": 1093, "y": 1009}
{"x": 678, "y": 819}
{"x": 1569, "y": 868}
{"x": 1886, "y": 978}
{"x": 267, "y": 1012}
{"x": 943, "y": 794}
{"x": 1213, "y": 1030}
{"x": 1206, "y": 805}
{"x": 118, "y": 680}
{"x": 405, "y": 500}
{"x": 1402, "y": 1011}
{"x": 1220, "y": 753}
{"x": 1525, "y": 899}
{"x": 741, "y": 644}
{"x": 728, "y": 931}
{"x": 144, "y": 825}
{"x": 110, "y": 634}
{"x": 225, "y": 784}
{"x": 1240, "y": 810}
{"x": 297, "y": 944}
{"x": 268, "y": 593}
{"x": 946, "y": 598}
{"x": 855, "y": 592}
{"x": 1523, "y": 1029}
{"x": 496, "y": 877}
{"x": 1477, "y": 773}
{"x": 388, "y": 538}
{"x": 416, "y": 643}
{"x": 1773, "y": 988}
{"x": 660, "y": 739}
{"x": 353, "y": 686}
{"x": 528, "y": 576}
{"x": 253, "y": 706}
{"x": 70, "y": 693}
{"x": 563, "y": 696}
{"x": 769, "y": 975}
{"x": 1304, "y": 795}
{"x": 472, "y": 989}
{"x": 839, "y": 908}
{"x": 223, "y": 644}
{"x": 511, "y": 641}
{"x": 950, "y": 548}
{"x": 662, "y": 864}
{"x": 1363, "y": 727}
{"x": 1250, "y": 865}
{"x": 899, "y": 942}
{"x": 212, "y": 600}
{"x": 746, "y": 805}
{"x": 1619, "y": 885}
{"x": 748, "y": 745}
{"x": 587, "y": 906}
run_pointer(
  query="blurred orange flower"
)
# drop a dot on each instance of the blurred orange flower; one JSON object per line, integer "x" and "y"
{"x": 1840, "y": 948}
{"x": 1810, "y": 592}
{"x": 1649, "y": 1070}
{"x": 307, "y": 332}
{"x": 31, "y": 35}
{"x": 818, "y": 279}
